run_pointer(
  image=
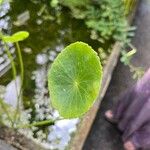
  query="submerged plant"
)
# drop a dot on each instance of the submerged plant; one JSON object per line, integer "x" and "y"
{"x": 74, "y": 80}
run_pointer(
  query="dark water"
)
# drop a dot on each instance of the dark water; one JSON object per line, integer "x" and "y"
{"x": 50, "y": 31}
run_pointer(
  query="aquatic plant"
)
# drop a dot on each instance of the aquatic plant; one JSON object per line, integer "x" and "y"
{"x": 15, "y": 38}
{"x": 74, "y": 3}
{"x": 106, "y": 19}
{"x": 74, "y": 80}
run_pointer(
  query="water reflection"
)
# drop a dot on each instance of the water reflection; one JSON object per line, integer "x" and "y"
{"x": 60, "y": 133}
{"x": 5, "y": 26}
{"x": 4, "y": 60}
{"x": 11, "y": 92}
{"x": 4, "y": 19}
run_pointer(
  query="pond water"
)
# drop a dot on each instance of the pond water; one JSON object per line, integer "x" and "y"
{"x": 50, "y": 31}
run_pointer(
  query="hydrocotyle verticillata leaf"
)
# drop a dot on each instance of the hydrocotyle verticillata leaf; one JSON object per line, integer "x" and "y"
{"x": 16, "y": 37}
{"x": 74, "y": 80}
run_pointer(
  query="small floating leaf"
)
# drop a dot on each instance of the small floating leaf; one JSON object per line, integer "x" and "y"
{"x": 74, "y": 80}
{"x": 16, "y": 37}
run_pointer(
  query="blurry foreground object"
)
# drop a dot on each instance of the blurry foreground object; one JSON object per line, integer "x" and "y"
{"x": 132, "y": 115}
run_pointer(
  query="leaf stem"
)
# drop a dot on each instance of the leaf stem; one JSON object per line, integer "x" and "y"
{"x": 22, "y": 77}
{"x": 38, "y": 124}
{"x": 21, "y": 62}
{"x": 13, "y": 67}
{"x": 14, "y": 72}
{"x": 6, "y": 111}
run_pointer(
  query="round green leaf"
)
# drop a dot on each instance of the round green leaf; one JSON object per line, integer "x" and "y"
{"x": 74, "y": 80}
{"x": 16, "y": 37}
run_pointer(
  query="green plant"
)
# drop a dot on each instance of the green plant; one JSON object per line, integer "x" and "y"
{"x": 13, "y": 116}
{"x": 15, "y": 38}
{"x": 106, "y": 18}
{"x": 126, "y": 60}
{"x": 9, "y": 114}
{"x": 54, "y": 3}
{"x": 126, "y": 56}
{"x": 74, "y": 80}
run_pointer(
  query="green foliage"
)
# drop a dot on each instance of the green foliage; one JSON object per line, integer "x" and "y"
{"x": 16, "y": 37}
{"x": 54, "y": 3}
{"x": 103, "y": 56}
{"x": 7, "y": 113}
{"x": 105, "y": 17}
{"x": 74, "y": 80}
{"x": 12, "y": 117}
{"x": 74, "y": 3}
{"x": 106, "y": 20}
{"x": 137, "y": 72}
{"x": 126, "y": 56}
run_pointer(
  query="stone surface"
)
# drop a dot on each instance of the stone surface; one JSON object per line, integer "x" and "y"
{"x": 104, "y": 135}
